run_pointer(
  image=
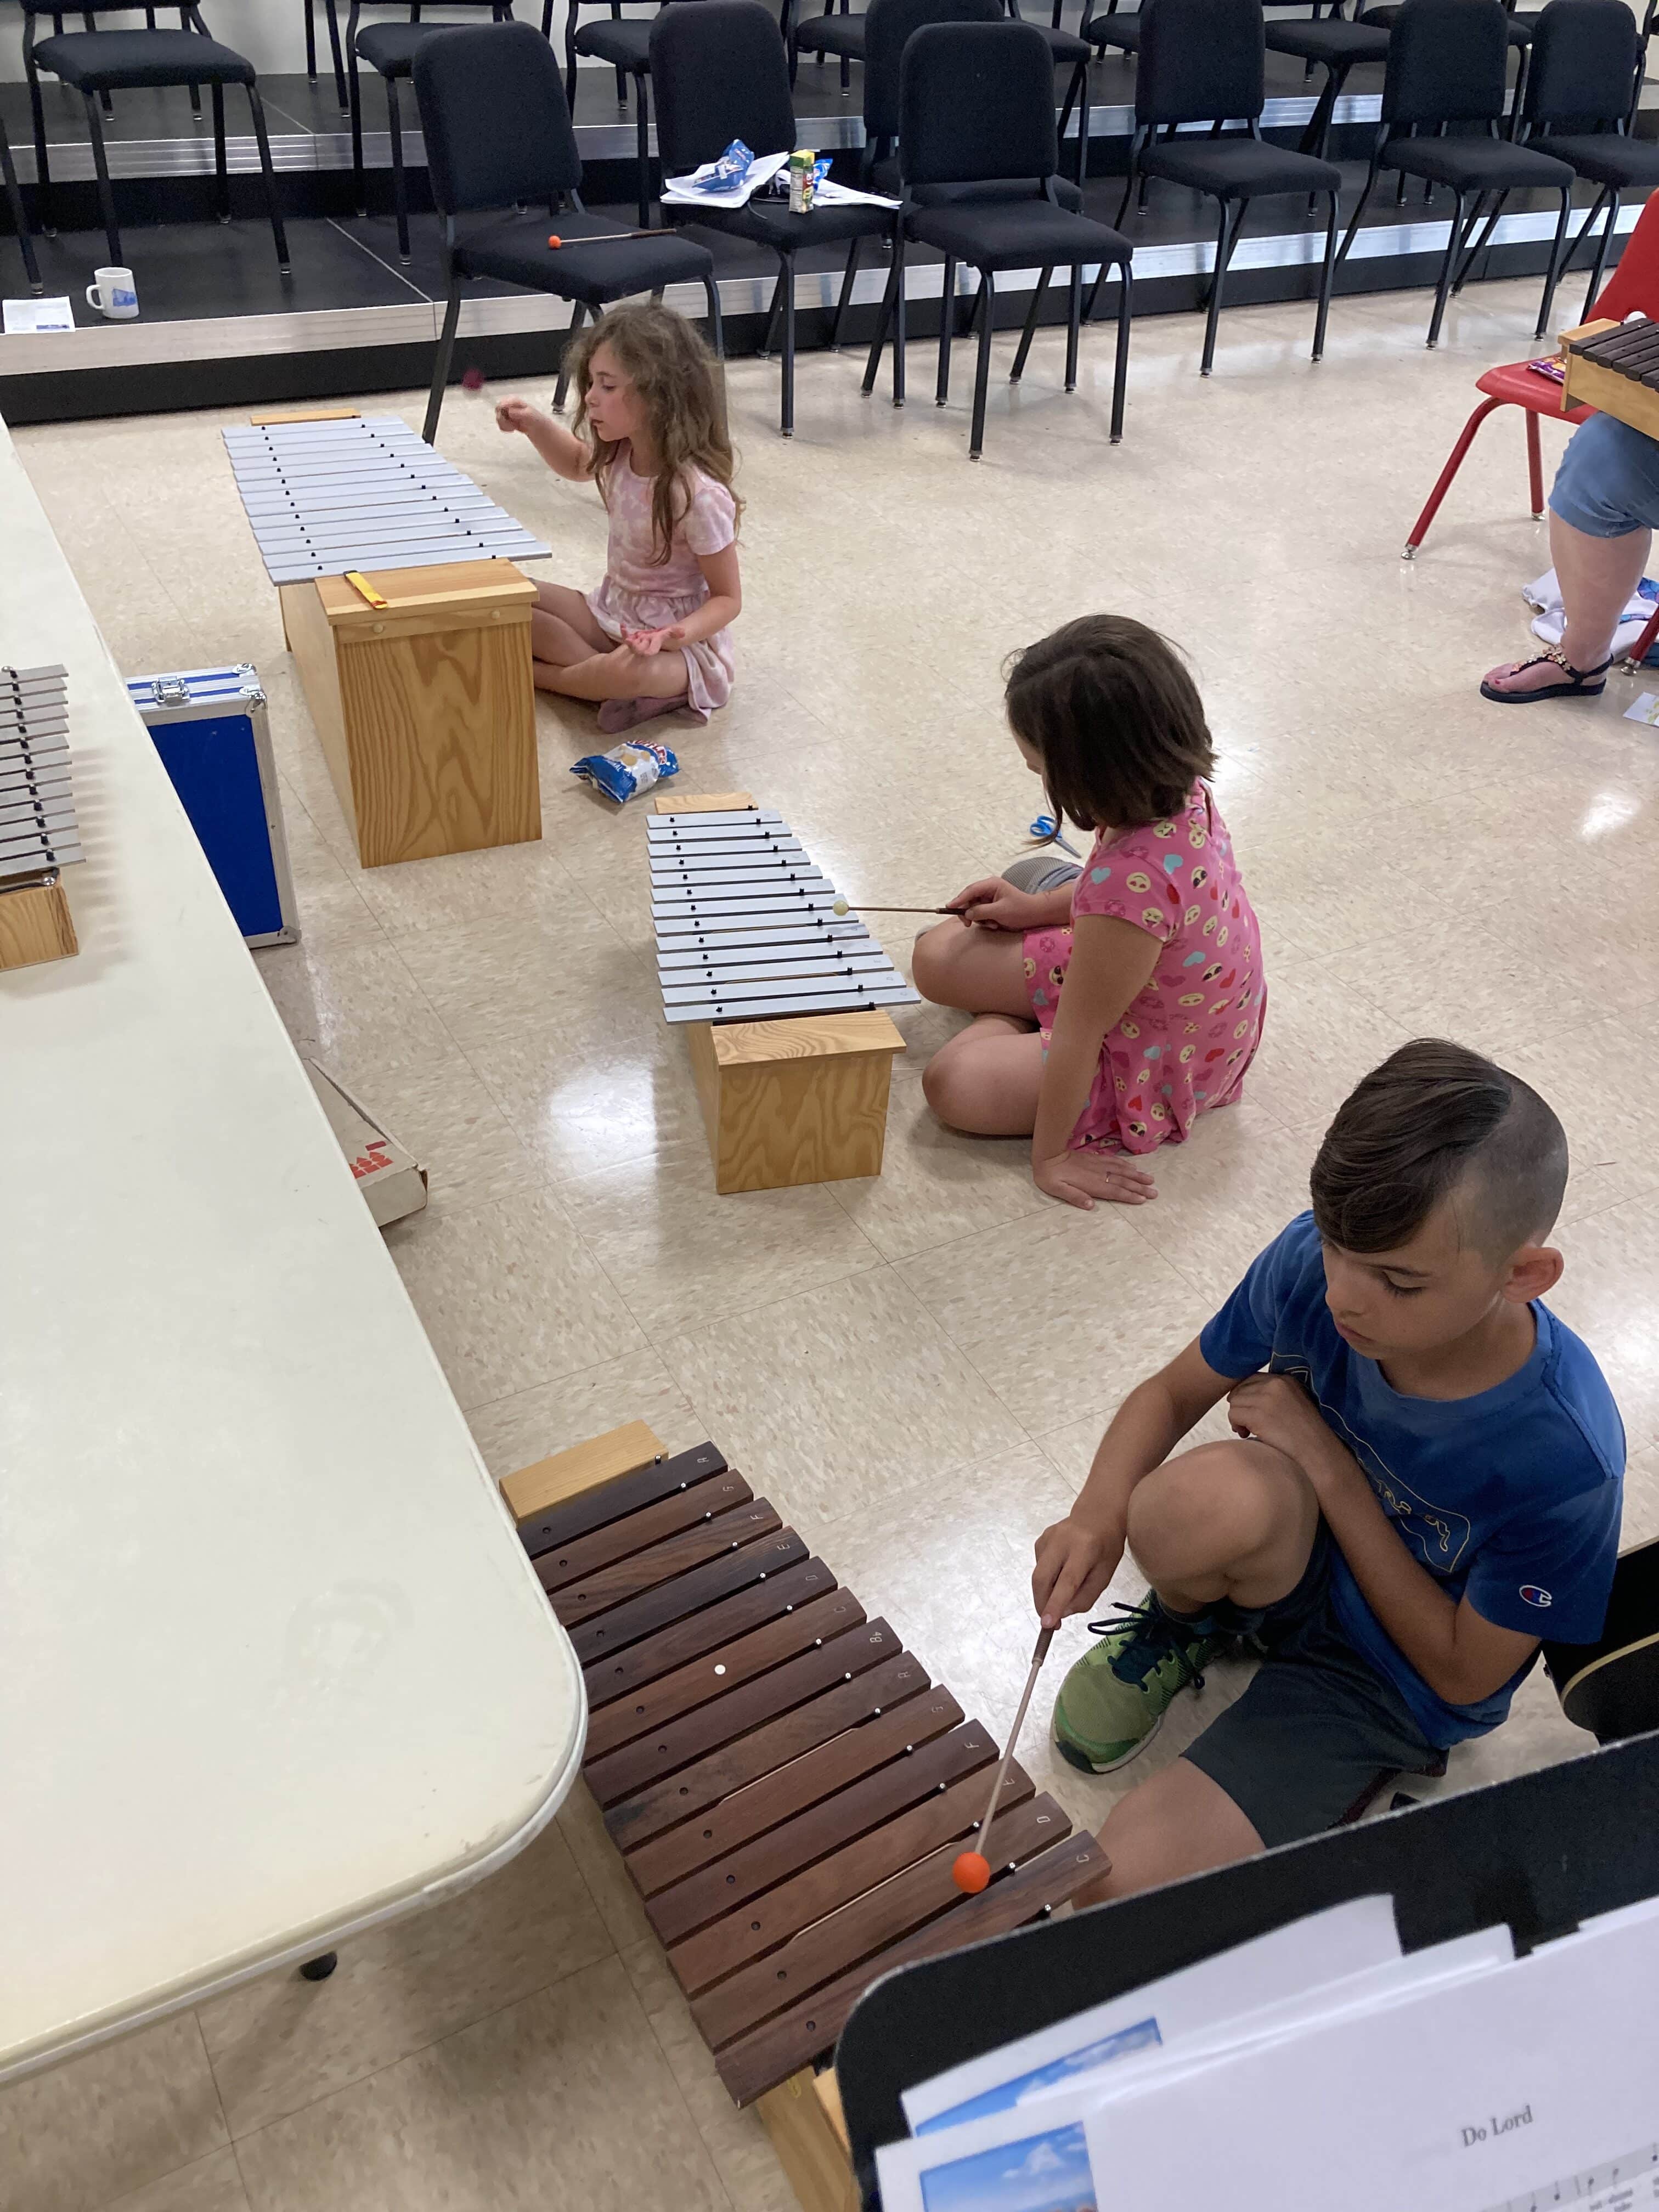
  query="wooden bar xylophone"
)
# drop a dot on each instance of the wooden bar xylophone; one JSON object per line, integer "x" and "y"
{"x": 1614, "y": 367}
{"x": 787, "y": 1785}
{"x": 38, "y": 833}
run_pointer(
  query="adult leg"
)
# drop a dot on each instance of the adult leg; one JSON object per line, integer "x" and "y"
{"x": 1604, "y": 496}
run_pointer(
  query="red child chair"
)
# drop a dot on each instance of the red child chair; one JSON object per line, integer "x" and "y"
{"x": 1633, "y": 286}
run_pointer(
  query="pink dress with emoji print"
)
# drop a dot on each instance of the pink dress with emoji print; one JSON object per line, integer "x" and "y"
{"x": 1185, "y": 1042}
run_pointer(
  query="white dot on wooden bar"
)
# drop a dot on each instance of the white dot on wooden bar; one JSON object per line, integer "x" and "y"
{"x": 719, "y": 1670}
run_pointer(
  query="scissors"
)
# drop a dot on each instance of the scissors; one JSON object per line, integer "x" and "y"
{"x": 1046, "y": 827}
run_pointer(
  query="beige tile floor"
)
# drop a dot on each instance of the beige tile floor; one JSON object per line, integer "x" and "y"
{"x": 916, "y": 1369}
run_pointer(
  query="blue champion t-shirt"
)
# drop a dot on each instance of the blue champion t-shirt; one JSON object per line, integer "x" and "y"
{"x": 1510, "y": 1497}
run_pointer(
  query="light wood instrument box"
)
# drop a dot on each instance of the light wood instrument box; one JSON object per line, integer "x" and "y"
{"x": 1590, "y": 384}
{"x": 35, "y": 924}
{"x": 802, "y": 1098}
{"x": 425, "y": 708}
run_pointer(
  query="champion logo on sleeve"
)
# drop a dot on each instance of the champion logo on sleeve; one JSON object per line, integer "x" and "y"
{"x": 1534, "y": 1595}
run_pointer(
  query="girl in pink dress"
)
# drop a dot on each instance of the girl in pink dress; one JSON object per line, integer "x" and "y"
{"x": 656, "y": 634}
{"x": 1109, "y": 1013}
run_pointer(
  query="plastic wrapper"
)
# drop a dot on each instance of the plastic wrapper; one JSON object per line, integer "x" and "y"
{"x": 627, "y": 769}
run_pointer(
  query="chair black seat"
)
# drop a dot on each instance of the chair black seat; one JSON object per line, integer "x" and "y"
{"x": 626, "y": 44}
{"x": 1477, "y": 164}
{"x": 1237, "y": 168}
{"x": 1017, "y": 235}
{"x": 516, "y": 252}
{"x": 1117, "y": 30}
{"x": 1520, "y": 27}
{"x": 1605, "y": 157}
{"x": 113, "y": 61}
{"x": 833, "y": 34}
{"x": 390, "y": 47}
{"x": 1064, "y": 46}
{"x": 769, "y": 223}
{"x": 1337, "y": 42}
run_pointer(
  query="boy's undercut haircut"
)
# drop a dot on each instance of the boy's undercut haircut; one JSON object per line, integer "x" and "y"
{"x": 1109, "y": 707}
{"x": 1435, "y": 1121}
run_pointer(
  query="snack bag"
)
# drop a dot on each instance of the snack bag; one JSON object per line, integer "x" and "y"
{"x": 627, "y": 769}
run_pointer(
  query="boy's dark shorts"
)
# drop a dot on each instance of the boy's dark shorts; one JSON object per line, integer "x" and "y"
{"x": 1316, "y": 1727}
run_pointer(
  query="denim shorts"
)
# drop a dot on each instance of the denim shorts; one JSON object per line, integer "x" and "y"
{"x": 1317, "y": 1725}
{"x": 1607, "y": 484}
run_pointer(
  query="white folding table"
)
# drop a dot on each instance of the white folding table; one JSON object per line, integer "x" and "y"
{"x": 273, "y": 1665}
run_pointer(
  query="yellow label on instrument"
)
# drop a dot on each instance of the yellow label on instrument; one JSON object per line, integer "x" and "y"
{"x": 362, "y": 584}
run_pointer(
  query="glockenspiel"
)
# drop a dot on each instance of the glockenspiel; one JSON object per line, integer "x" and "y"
{"x": 782, "y": 1002}
{"x": 38, "y": 833}
{"x": 787, "y": 1786}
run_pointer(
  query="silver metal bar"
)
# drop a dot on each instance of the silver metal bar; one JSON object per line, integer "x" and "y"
{"x": 738, "y": 993}
{"x": 737, "y": 882}
{"x": 804, "y": 964}
{"x": 829, "y": 1000}
{"x": 658, "y": 825}
{"x": 700, "y": 911}
{"x": 696, "y": 949}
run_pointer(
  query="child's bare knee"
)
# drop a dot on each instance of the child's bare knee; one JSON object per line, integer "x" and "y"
{"x": 931, "y": 963}
{"x": 943, "y": 1087}
{"x": 1215, "y": 1501}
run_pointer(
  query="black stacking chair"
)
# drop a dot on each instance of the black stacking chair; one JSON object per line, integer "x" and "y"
{"x": 1117, "y": 26}
{"x": 390, "y": 50}
{"x": 1203, "y": 61}
{"x": 574, "y": 43}
{"x": 976, "y": 108}
{"x": 1447, "y": 66}
{"x": 1586, "y": 70}
{"x": 1337, "y": 46}
{"x": 890, "y": 24}
{"x": 625, "y": 42}
{"x": 721, "y": 72}
{"x": 1067, "y": 48}
{"x": 98, "y": 62}
{"x": 20, "y": 221}
{"x": 841, "y": 34}
{"x": 498, "y": 138}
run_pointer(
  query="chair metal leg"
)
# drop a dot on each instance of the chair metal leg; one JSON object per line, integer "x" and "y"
{"x": 1226, "y": 239}
{"x": 1128, "y": 182}
{"x": 846, "y": 299}
{"x": 569, "y": 48}
{"x": 1077, "y": 95}
{"x": 1602, "y": 251}
{"x": 900, "y": 332}
{"x": 1453, "y": 247}
{"x": 1120, "y": 368}
{"x": 1535, "y": 468}
{"x": 1443, "y": 482}
{"x": 336, "y": 60}
{"x": 42, "y": 164}
{"x": 642, "y": 142}
{"x": 105, "y": 195}
{"x": 221, "y": 169}
{"x": 359, "y": 182}
{"x": 716, "y": 327}
{"x": 786, "y": 412}
{"x": 947, "y": 331}
{"x": 1353, "y": 220}
{"x": 400, "y": 181}
{"x": 273, "y": 206}
{"x": 1552, "y": 274}
{"x": 1031, "y": 315}
{"x": 1482, "y": 243}
{"x": 774, "y": 317}
{"x": 1326, "y": 275}
{"x": 1073, "y": 324}
{"x": 577, "y": 316}
{"x": 883, "y": 321}
{"x": 440, "y": 365}
{"x": 987, "y": 299}
{"x": 20, "y": 221}
{"x": 311, "y": 41}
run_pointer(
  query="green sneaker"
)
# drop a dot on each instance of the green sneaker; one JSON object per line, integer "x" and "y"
{"x": 1114, "y": 1700}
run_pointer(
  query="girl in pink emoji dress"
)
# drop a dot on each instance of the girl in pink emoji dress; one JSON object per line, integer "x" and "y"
{"x": 656, "y": 634}
{"x": 1111, "y": 1013}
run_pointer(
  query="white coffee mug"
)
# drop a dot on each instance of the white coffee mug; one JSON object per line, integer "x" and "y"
{"x": 114, "y": 293}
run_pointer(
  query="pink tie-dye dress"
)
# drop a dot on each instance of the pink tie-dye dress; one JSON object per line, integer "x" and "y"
{"x": 1184, "y": 1044}
{"x": 640, "y": 592}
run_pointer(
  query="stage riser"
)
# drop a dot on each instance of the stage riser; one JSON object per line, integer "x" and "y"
{"x": 164, "y": 387}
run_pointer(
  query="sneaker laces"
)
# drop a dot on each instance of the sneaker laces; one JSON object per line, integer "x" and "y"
{"x": 1149, "y": 1637}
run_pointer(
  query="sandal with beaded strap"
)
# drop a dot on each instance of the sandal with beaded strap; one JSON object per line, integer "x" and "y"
{"x": 1585, "y": 682}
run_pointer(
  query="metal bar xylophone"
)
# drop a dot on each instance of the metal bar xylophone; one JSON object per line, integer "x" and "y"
{"x": 787, "y": 1786}
{"x": 38, "y": 833}
{"x": 782, "y": 1000}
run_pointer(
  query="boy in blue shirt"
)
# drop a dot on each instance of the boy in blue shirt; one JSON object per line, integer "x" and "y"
{"x": 1425, "y": 1478}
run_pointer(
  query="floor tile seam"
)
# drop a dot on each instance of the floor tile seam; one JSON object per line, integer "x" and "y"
{"x": 668, "y": 2061}
{"x": 760, "y": 1304}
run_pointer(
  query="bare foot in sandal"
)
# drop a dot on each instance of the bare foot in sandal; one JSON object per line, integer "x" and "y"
{"x": 1547, "y": 675}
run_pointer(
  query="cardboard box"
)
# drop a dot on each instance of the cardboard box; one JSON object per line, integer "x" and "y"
{"x": 390, "y": 1178}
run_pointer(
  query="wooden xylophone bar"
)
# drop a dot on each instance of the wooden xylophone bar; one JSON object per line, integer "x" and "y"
{"x": 787, "y": 1785}
{"x": 1613, "y": 367}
